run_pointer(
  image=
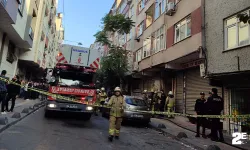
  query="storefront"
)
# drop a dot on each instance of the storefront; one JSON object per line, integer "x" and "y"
{"x": 189, "y": 85}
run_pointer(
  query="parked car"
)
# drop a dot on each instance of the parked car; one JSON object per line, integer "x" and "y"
{"x": 131, "y": 105}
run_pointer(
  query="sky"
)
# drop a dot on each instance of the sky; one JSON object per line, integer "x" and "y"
{"x": 82, "y": 19}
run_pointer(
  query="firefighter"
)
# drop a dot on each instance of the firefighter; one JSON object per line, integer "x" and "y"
{"x": 103, "y": 96}
{"x": 116, "y": 103}
{"x": 170, "y": 101}
{"x": 97, "y": 102}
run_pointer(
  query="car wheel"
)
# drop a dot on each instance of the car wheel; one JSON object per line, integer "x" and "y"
{"x": 87, "y": 117}
{"x": 47, "y": 114}
{"x": 103, "y": 115}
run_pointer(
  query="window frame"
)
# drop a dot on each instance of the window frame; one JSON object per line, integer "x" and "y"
{"x": 160, "y": 8}
{"x": 138, "y": 28}
{"x": 138, "y": 57}
{"x": 141, "y": 5}
{"x": 131, "y": 11}
{"x": 21, "y": 7}
{"x": 186, "y": 20}
{"x": 157, "y": 35}
{"x": 237, "y": 26}
{"x": 147, "y": 42}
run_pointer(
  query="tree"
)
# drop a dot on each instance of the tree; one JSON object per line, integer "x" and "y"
{"x": 114, "y": 66}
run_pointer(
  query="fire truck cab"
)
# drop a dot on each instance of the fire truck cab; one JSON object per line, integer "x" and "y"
{"x": 75, "y": 83}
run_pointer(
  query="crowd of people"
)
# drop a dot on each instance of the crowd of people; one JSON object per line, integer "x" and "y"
{"x": 213, "y": 105}
{"x": 9, "y": 91}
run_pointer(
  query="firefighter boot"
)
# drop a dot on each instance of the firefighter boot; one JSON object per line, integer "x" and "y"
{"x": 111, "y": 138}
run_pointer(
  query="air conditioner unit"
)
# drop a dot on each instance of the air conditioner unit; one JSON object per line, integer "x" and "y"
{"x": 170, "y": 8}
{"x": 129, "y": 2}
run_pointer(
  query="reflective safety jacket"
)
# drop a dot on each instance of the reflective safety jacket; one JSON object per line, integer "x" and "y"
{"x": 103, "y": 96}
{"x": 170, "y": 101}
{"x": 117, "y": 106}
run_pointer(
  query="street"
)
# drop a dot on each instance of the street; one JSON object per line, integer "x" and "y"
{"x": 38, "y": 133}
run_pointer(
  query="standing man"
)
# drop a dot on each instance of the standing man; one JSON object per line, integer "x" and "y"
{"x": 170, "y": 102}
{"x": 3, "y": 91}
{"x": 116, "y": 103}
{"x": 163, "y": 100}
{"x": 200, "y": 110}
{"x": 215, "y": 105}
{"x": 13, "y": 91}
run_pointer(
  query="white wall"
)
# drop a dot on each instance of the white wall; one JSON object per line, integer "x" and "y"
{"x": 22, "y": 20}
{"x": 5, "y": 65}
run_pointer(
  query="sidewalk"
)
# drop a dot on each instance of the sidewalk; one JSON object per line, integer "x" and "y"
{"x": 184, "y": 122}
{"x": 176, "y": 125}
{"x": 6, "y": 120}
{"x": 198, "y": 143}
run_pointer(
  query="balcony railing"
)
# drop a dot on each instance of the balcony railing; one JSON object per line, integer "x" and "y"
{"x": 31, "y": 33}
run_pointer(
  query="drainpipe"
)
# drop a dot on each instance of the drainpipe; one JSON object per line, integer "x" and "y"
{"x": 203, "y": 32}
{"x": 2, "y": 48}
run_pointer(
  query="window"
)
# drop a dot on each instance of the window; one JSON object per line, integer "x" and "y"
{"x": 149, "y": 16}
{"x": 131, "y": 11}
{"x": 183, "y": 29}
{"x": 138, "y": 55}
{"x": 11, "y": 53}
{"x": 140, "y": 29}
{"x": 31, "y": 33}
{"x": 236, "y": 33}
{"x": 21, "y": 6}
{"x": 141, "y": 5}
{"x": 123, "y": 5}
{"x": 130, "y": 35}
{"x": 160, "y": 6}
{"x": 159, "y": 42}
{"x": 146, "y": 47}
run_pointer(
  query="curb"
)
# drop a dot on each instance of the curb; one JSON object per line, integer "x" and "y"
{"x": 174, "y": 137}
{"x": 195, "y": 132}
{"x": 41, "y": 104}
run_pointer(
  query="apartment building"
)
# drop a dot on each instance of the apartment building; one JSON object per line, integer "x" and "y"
{"x": 167, "y": 48}
{"x": 227, "y": 47}
{"x": 16, "y": 32}
{"x": 45, "y": 41}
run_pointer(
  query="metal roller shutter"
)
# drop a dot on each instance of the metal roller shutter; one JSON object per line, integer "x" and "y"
{"x": 179, "y": 104}
{"x": 194, "y": 85}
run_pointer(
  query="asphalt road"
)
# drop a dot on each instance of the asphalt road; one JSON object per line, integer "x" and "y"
{"x": 37, "y": 133}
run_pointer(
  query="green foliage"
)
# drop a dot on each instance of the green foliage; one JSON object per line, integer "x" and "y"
{"x": 113, "y": 67}
{"x": 111, "y": 24}
{"x": 117, "y": 23}
{"x": 244, "y": 18}
{"x": 102, "y": 38}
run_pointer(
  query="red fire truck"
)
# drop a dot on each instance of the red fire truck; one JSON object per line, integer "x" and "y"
{"x": 74, "y": 82}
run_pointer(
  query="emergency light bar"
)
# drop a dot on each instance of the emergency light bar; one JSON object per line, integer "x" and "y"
{"x": 75, "y": 67}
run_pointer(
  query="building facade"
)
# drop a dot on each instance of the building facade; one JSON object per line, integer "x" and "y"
{"x": 167, "y": 44}
{"x": 16, "y": 33}
{"x": 227, "y": 48}
{"x": 45, "y": 41}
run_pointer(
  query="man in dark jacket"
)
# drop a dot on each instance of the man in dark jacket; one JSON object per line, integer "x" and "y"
{"x": 3, "y": 91}
{"x": 163, "y": 100}
{"x": 13, "y": 92}
{"x": 215, "y": 105}
{"x": 200, "y": 110}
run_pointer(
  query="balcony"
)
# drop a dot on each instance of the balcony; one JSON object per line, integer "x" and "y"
{"x": 8, "y": 11}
